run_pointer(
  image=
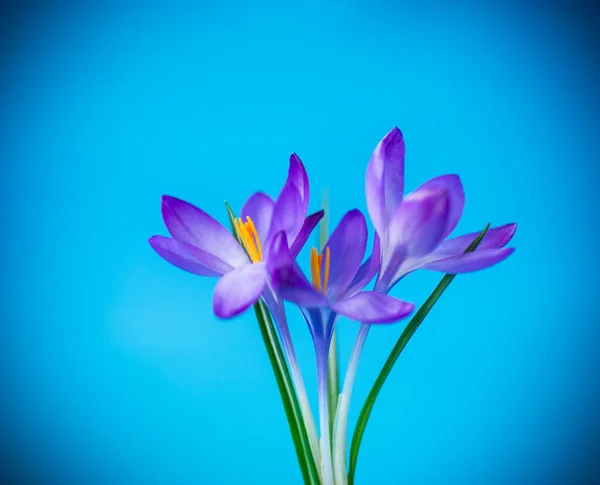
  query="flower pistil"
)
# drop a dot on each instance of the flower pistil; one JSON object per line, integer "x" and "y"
{"x": 318, "y": 269}
{"x": 249, "y": 237}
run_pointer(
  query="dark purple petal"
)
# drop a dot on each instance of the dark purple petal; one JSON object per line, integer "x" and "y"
{"x": 367, "y": 270}
{"x": 259, "y": 207}
{"x": 347, "y": 246}
{"x": 287, "y": 214}
{"x": 465, "y": 263}
{"x": 384, "y": 181}
{"x": 239, "y": 289}
{"x": 373, "y": 307}
{"x": 279, "y": 253}
{"x": 298, "y": 178}
{"x": 309, "y": 224}
{"x": 287, "y": 278}
{"x": 187, "y": 257}
{"x": 419, "y": 223}
{"x": 495, "y": 238}
{"x": 194, "y": 226}
{"x": 452, "y": 185}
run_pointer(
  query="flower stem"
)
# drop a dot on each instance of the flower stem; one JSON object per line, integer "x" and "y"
{"x": 290, "y": 353}
{"x": 322, "y": 372}
{"x": 341, "y": 423}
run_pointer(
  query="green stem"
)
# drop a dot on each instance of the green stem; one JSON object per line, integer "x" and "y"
{"x": 285, "y": 385}
{"x": 406, "y": 335}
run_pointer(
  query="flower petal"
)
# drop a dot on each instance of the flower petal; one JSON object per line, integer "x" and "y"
{"x": 305, "y": 231}
{"x": 467, "y": 262}
{"x": 259, "y": 207}
{"x": 419, "y": 222}
{"x": 495, "y": 238}
{"x": 239, "y": 289}
{"x": 452, "y": 185}
{"x": 288, "y": 280}
{"x": 187, "y": 257}
{"x": 298, "y": 178}
{"x": 194, "y": 226}
{"x": 287, "y": 213}
{"x": 367, "y": 270}
{"x": 384, "y": 181}
{"x": 373, "y": 307}
{"x": 347, "y": 246}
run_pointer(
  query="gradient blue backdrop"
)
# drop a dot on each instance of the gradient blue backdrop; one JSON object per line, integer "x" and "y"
{"x": 113, "y": 369}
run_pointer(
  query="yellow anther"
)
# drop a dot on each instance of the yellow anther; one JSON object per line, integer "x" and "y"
{"x": 249, "y": 237}
{"x": 317, "y": 268}
{"x": 326, "y": 269}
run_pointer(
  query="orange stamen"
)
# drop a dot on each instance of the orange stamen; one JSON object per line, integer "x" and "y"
{"x": 249, "y": 237}
{"x": 316, "y": 264}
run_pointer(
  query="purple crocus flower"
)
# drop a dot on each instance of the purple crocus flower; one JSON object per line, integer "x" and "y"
{"x": 413, "y": 229}
{"x": 203, "y": 246}
{"x": 337, "y": 283}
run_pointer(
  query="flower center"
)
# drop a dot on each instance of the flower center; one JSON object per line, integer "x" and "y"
{"x": 249, "y": 236}
{"x": 318, "y": 269}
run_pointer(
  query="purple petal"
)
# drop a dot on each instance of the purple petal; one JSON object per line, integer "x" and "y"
{"x": 194, "y": 226}
{"x": 259, "y": 207}
{"x": 495, "y": 238}
{"x": 384, "y": 180}
{"x": 187, "y": 257}
{"x": 452, "y": 185}
{"x": 298, "y": 178}
{"x": 305, "y": 231}
{"x": 287, "y": 214}
{"x": 347, "y": 246}
{"x": 239, "y": 289}
{"x": 465, "y": 263}
{"x": 279, "y": 253}
{"x": 287, "y": 278}
{"x": 367, "y": 270}
{"x": 373, "y": 307}
{"x": 419, "y": 222}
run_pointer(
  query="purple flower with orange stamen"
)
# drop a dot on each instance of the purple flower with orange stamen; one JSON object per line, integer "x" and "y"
{"x": 202, "y": 246}
{"x": 413, "y": 229}
{"x": 338, "y": 279}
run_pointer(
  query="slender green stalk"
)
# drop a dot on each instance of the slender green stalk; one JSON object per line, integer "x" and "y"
{"x": 286, "y": 387}
{"x": 406, "y": 335}
{"x": 333, "y": 386}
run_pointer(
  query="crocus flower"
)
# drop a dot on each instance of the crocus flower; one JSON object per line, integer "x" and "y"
{"x": 336, "y": 289}
{"x": 202, "y": 246}
{"x": 413, "y": 229}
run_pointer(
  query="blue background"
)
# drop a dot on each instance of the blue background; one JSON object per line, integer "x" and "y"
{"x": 113, "y": 369}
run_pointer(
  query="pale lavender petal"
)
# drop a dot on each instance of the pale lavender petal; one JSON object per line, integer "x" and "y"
{"x": 495, "y": 238}
{"x": 474, "y": 261}
{"x": 384, "y": 181}
{"x": 259, "y": 207}
{"x": 347, "y": 246}
{"x": 419, "y": 223}
{"x": 373, "y": 307}
{"x": 191, "y": 225}
{"x": 452, "y": 185}
{"x": 391, "y": 266}
{"x": 239, "y": 289}
{"x": 305, "y": 231}
{"x": 367, "y": 270}
{"x": 187, "y": 257}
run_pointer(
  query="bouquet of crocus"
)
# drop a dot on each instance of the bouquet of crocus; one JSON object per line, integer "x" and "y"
{"x": 255, "y": 263}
